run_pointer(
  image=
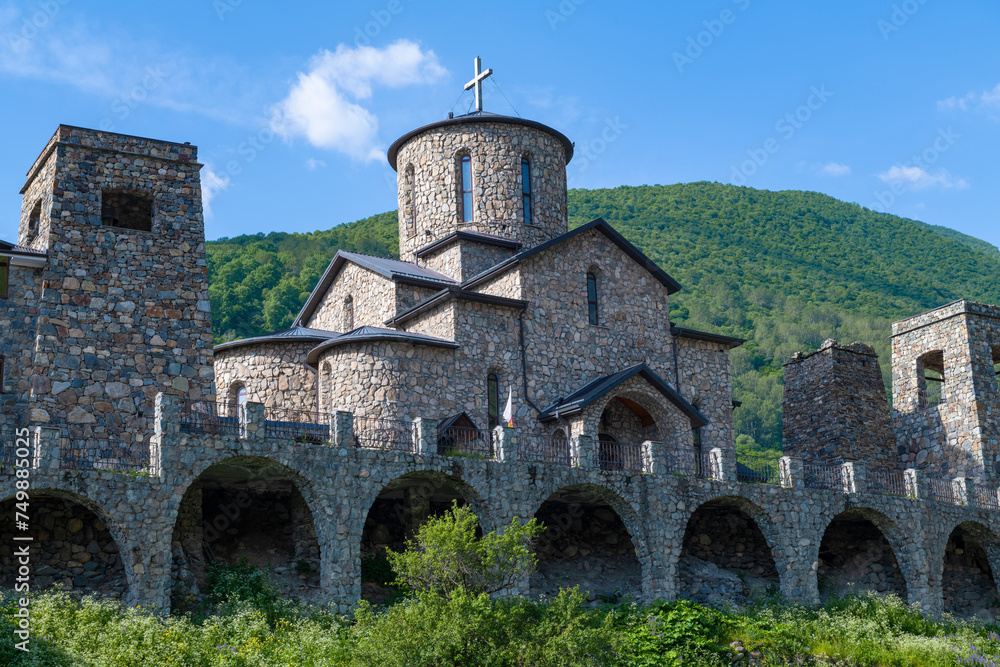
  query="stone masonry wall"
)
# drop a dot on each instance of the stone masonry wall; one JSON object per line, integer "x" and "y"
{"x": 18, "y": 322}
{"x": 705, "y": 382}
{"x": 835, "y": 409}
{"x": 464, "y": 259}
{"x": 373, "y": 296}
{"x": 273, "y": 373}
{"x": 496, "y": 150}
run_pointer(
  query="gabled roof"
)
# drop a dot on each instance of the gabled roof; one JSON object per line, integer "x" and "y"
{"x": 595, "y": 389}
{"x": 371, "y": 334}
{"x": 454, "y": 420}
{"x": 693, "y": 334}
{"x": 449, "y": 294}
{"x": 392, "y": 269}
{"x": 32, "y": 257}
{"x": 294, "y": 335}
{"x": 599, "y": 225}
{"x": 464, "y": 235}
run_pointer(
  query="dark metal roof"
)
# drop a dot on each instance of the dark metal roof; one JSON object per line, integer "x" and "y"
{"x": 370, "y": 334}
{"x": 692, "y": 334}
{"x": 480, "y": 117}
{"x": 449, "y": 294}
{"x": 393, "y": 269}
{"x": 8, "y": 248}
{"x": 600, "y": 225}
{"x": 448, "y": 422}
{"x": 595, "y": 389}
{"x": 294, "y": 335}
{"x": 478, "y": 237}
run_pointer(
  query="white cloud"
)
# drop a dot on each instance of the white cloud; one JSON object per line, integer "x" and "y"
{"x": 322, "y": 105}
{"x": 917, "y": 178}
{"x": 834, "y": 169}
{"x": 212, "y": 184}
{"x": 988, "y": 99}
{"x": 314, "y": 164}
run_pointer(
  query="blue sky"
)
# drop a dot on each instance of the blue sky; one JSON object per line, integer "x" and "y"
{"x": 894, "y": 105}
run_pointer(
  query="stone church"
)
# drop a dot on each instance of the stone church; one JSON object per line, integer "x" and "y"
{"x": 504, "y": 361}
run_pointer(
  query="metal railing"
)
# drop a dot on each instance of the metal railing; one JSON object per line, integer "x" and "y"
{"x": 8, "y": 447}
{"x": 757, "y": 471}
{"x": 986, "y": 499}
{"x": 378, "y": 433}
{"x": 544, "y": 449}
{"x": 305, "y": 426}
{"x": 209, "y": 418}
{"x": 106, "y": 455}
{"x": 819, "y": 476}
{"x": 703, "y": 464}
{"x": 467, "y": 442}
{"x": 619, "y": 456}
{"x": 940, "y": 490}
{"x": 887, "y": 483}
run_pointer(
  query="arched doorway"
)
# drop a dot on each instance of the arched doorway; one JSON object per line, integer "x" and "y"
{"x": 587, "y": 544}
{"x": 396, "y": 515}
{"x": 625, "y": 424}
{"x": 246, "y": 508}
{"x": 725, "y": 554}
{"x": 967, "y": 582}
{"x": 855, "y": 555}
{"x": 72, "y": 546}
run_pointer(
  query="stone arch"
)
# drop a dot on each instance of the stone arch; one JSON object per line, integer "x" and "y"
{"x": 34, "y": 223}
{"x": 593, "y": 539}
{"x": 252, "y": 507}
{"x": 969, "y": 559}
{"x": 394, "y": 512}
{"x": 86, "y": 550}
{"x": 729, "y": 552}
{"x": 863, "y": 549}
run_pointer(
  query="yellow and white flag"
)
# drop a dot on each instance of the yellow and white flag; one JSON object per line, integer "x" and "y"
{"x": 508, "y": 412}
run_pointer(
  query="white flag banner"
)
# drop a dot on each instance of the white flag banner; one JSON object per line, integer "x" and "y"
{"x": 508, "y": 412}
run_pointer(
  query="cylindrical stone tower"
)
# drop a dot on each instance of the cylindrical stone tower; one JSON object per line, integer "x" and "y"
{"x": 467, "y": 174}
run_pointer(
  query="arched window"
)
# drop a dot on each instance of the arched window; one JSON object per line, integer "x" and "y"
{"x": 349, "y": 314}
{"x": 493, "y": 399}
{"x": 526, "y": 189}
{"x": 411, "y": 199}
{"x": 592, "y": 296}
{"x": 34, "y": 220}
{"x": 241, "y": 398}
{"x": 466, "y": 168}
{"x": 237, "y": 398}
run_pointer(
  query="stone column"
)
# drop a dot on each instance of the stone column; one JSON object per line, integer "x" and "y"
{"x": 425, "y": 436}
{"x": 654, "y": 457}
{"x": 916, "y": 483}
{"x": 855, "y": 477}
{"x": 583, "y": 454}
{"x": 252, "y": 421}
{"x": 45, "y": 441}
{"x": 961, "y": 489}
{"x": 342, "y": 429}
{"x": 723, "y": 464}
{"x": 166, "y": 427}
{"x": 793, "y": 472}
{"x": 505, "y": 441}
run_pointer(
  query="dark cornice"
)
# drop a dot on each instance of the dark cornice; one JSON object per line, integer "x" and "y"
{"x": 451, "y": 294}
{"x": 476, "y": 237}
{"x": 693, "y": 334}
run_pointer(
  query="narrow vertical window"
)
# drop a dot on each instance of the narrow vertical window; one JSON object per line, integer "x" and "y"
{"x": 241, "y": 398}
{"x": 349, "y": 314}
{"x": 526, "y": 189}
{"x": 4, "y": 276}
{"x": 592, "y": 297}
{"x": 411, "y": 192}
{"x": 696, "y": 433}
{"x": 466, "y": 188}
{"x": 493, "y": 399}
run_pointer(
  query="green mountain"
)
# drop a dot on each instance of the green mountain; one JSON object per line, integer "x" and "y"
{"x": 784, "y": 270}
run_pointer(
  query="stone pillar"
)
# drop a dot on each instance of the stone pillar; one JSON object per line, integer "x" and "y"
{"x": 793, "y": 472}
{"x": 855, "y": 477}
{"x": 505, "y": 441}
{"x": 582, "y": 452}
{"x": 252, "y": 421}
{"x": 342, "y": 429}
{"x": 425, "y": 436}
{"x": 916, "y": 483}
{"x": 166, "y": 427}
{"x": 723, "y": 464}
{"x": 961, "y": 489}
{"x": 45, "y": 441}
{"x": 654, "y": 457}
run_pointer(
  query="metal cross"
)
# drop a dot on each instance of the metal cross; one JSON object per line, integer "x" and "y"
{"x": 477, "y": 82}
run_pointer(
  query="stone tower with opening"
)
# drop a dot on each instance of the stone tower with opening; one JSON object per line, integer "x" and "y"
{"x": 122, "y": 302}
{"x": 953, "y": 430}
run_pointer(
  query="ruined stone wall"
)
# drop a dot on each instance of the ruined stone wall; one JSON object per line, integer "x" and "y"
{"x": 18, "y": 322}
{"x": 373, "y": 296}
{"x": 496, "y": 150}
{"x": 273, "y": 373}
{"x": 705, "y": 381}
{"x": 123, "y": 314}
{"x": 835, "y": 409}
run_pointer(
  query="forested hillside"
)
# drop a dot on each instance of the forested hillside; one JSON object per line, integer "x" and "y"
{"x": 783, "y": 269}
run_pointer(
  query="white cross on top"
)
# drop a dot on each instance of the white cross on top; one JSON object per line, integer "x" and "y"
{"x": 477, "y": 83}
